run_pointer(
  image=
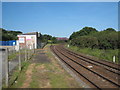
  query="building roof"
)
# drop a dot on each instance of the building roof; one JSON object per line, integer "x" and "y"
{"x": 62, "y": 38}
{"x": 33, "y": 33}
{"x": 30, "y": 33}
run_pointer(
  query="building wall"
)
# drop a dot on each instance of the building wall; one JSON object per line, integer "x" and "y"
{"x": 29, "y": 41}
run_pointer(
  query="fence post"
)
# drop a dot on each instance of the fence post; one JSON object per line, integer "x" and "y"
{"x": 114, "y": 59}
{"x": 28, "y": 53}
{"x": 25, "y": 54}
{"x": 34, "y": 47}
{"x": 19, "y": 59}
{"x": 6, "y": 68}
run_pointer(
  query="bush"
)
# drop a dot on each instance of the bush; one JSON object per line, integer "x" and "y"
{"x": 85, "y": 41}
{"x": 90, "y": 38}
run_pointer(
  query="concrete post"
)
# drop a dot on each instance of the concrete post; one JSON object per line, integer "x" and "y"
{"x": 1, "y": 61}
{"x": 68, "y": 45}
{"x": 114, "y": 59}
{"x": 34, "y": 47}
{"x": 19, "y": 59}
{"x": 28, "y": 53}
{"x": 6, "y": 69}
{"x": 25, "y": 53}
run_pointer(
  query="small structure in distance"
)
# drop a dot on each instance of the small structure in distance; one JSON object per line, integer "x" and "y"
{"x": 62, "y": 38}
{"x": 29, "y": 40}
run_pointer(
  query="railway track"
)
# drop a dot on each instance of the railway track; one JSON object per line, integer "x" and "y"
{"x": 98, "y": 74}
{"x": 108, "y": 65}
{"x": 111, "y": 67}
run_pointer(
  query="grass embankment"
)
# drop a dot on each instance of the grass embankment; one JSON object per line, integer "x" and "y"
{"x": 101, "y": 54}
{"x": 44, "y": 75}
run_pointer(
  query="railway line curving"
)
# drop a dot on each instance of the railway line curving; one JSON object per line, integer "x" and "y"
{"x": 99, "y": 74}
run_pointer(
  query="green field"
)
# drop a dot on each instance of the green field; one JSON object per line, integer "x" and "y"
{"x": 101, "y": 54}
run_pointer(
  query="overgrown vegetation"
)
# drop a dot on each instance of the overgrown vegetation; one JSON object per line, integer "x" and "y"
{"x": 99, "y": 53}
{"x": 89, "y": 37}
{"x": 102, "y": 44}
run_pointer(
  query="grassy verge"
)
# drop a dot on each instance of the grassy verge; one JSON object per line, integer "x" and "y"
{"x": 101, "y": 54}
{"x": 42, "y": 75}
{"x": 60, "y": 78}
{"x": 51, "y": 75}
{"x": 18, "y": 77}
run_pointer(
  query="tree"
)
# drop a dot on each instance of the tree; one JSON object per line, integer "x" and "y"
{"x": 110, "y": 29}
{"x": 107, "y": 39}
{"x": 83, "y": 32}
{"x": 85, "y": 41}
{"x": 9, "y": 35}
{"x": 46, "y": 38}
{"x": 54, "y": 40}
{"x": 91, "y": 38}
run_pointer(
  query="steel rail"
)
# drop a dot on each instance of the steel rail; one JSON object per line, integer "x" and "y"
{"x": 96, "y": 61}
{"x": 92, "y": 62}
{"x": 75, "y": 69}
{"x": 90, "y": 69}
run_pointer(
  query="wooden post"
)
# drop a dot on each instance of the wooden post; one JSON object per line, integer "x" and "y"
{"x": 19, "y": 59}
{"x": 6, "y": 68}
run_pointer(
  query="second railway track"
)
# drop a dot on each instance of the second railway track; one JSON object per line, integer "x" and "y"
{"x": 97, "y": 75}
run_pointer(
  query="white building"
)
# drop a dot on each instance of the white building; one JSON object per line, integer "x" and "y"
{"x": 29, "y": 40}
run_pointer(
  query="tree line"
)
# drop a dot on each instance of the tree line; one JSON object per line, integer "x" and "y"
{"x": 48, "y": 38}
{"x": 8, "y": 35}
{"x": 89, "y": 37}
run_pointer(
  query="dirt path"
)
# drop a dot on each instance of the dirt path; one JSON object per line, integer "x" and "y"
{"x": 28, "y": 76}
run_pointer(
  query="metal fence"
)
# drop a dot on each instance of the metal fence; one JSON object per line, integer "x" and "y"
{"x": 12, "y": 59}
